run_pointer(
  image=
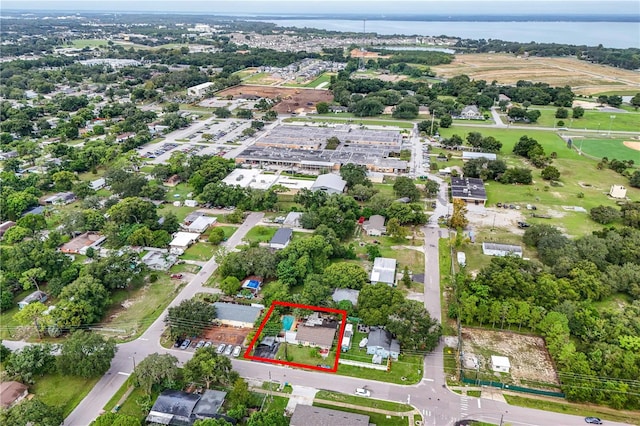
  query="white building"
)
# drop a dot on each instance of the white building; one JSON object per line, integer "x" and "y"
{"x": 374, "y": 227}
{"x": 201, "y": 224}
{"x": 384, "y": 271}
{"x": 500, "y": 364}
{"x": 182, "y": 241}
{"x": 330, "y": 183}
{"x": 493, "y": 249}
{"x": 199, "y": 90}
{"x": 462, "y": 258}
{"x": 618, "y": 191}
{"x": 98, "y": 184}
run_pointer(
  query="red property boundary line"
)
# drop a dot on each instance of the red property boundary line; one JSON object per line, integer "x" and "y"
{"x": 295, "y": 364}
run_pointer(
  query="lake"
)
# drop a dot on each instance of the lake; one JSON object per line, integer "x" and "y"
{"x": 609, "y": 34}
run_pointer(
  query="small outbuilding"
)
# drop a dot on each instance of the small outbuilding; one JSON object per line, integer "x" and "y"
{"x": 500, "y": 364}
{"x": 384, "y": 271}
{"x": 618, "y": 191}
{"x": 98, "y": 184}
{"x": 36, "y": 296}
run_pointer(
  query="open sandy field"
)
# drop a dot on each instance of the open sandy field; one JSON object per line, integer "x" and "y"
{"x": 528, "y": 355}
{"x": 633, "y": 145}
{"x": 293, "y": 99}
{"x": 583, "y": 77}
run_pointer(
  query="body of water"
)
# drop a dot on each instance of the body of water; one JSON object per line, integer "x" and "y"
{"x": 609, "y": 34}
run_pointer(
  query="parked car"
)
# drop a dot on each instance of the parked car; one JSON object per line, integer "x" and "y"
{"x": 221, "y": 347}
{"x": 593, "y": 420}
{"x": 228, "y": 350}
{"x": 185, "y": 344}
{"x": 236, "y": 351}
{"x": 363, "y": 392}
{"x": 178, "y": 343}
{"x": 207, "y": 344}
{"x": 176, "y": 276}
{"x": 523, "y": 225}
{"x": 200, "y": 344}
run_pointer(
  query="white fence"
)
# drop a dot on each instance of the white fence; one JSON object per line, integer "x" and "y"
{"x": 363, "y": 364}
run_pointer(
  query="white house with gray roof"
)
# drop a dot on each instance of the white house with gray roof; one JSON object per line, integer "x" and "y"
{"x": 281, "y": 238}
{"x": 381, "y": 343}
{"x": 237, "y": 315}
{"x": 330, "y": 183}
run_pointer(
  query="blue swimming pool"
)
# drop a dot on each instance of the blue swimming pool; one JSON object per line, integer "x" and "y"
{"x": 287, "y": 322}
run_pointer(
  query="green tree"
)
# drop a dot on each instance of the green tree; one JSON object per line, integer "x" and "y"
{"x": 156, "y": 370}
{"x": 562, "y": 113}
{"x": 216, "y": 235}
{"x": 377, "y": 302}
{"x": 222, "y": 112}
{"x": 446, "y": 121}
{"x": 322, "y": 107}
{"x": 86, "y": 354}
{"x": 16, "y": 234}
{"x": 82, "y": 302}
{"x": 577, "y": 112}
{"x": 34, "y": 222}
{"x": 404, "y": 187}
{"x": 212, "y": 422}
{"x": 209, "y": 367}
{"x": 373, "y": 251}
{"x": 604, "y": 214}
{"x": 239, "y": 395}
{"x": 396, "y": 231}
{"x": 345, "y": 275}
{"x": 32, "y": 412}
{"x": 116, "y": 419}
{"x": 189, "y": 318}
{"x": 414, "y": 327}
{"x": 459, "y": 218}
{"x": 63, "y": 180}
{"x": 267, "y": 418}
{"x": 550, "y": 173}
{"x": 406, "y": 110}
{"x": 354, "y": 175}
{"x": 31, "y": 361}
{"x": 230, "y": 286}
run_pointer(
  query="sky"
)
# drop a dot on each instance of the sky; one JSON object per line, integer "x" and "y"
{"x": 453, "y": 7}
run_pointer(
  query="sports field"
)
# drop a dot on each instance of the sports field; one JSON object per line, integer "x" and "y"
{"x": 610, "y": 148}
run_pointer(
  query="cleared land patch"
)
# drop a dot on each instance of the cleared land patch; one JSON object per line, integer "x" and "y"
{"x": 293, "y": 99}
{"x": 584, "y": 77}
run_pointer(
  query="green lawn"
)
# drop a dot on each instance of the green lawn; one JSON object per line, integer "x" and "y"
{"x": 375, "y": 418}
{"x": 592, "y": 120}
{"x": 575, "y": 409}
{"x": 62, "y": 391}
{"x": 408, "y": 367}
{"x": 607, "y": 147}
{"x": 116, "y": 397}
{"x": 363, "y": 402}
{"x": 144, "y": 305}
{"x": 180, "y": 212}
{"x": 323, "y": 78}
{"x": 260, "y": 234}
{"x": 82, "y": 43}
{"x": 201, "y": 251}
{"x": 259, "y": 78}
{"x": 7, "y": 323}
{"x": 303, "y": 355}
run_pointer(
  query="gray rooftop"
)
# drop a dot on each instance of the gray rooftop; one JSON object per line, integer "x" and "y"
{"x": 472, "y": 188}
{"x": 284, "y": 135}
{"x": 379, "y": 336}
{"x": 468, "y": 155}
{"x": 210, "y": 403}
{"x": 502, "y": 247}
{"x": 384, "y": 270}
{"x": 306, "y": 415}
{"x": 331, "y": 181}
{"x": 175, "y": 402}
{"x": 341, "y": 294}
{"x": 234, "y": 312}
{"x": 282, "y": 236}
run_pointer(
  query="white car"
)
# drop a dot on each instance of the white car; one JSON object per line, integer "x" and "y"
{"x": 363, "y": 392}
{"x": 236, "y": 351}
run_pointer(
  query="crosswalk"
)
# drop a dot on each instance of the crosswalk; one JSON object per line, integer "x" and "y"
{"x": 464, "y": 406}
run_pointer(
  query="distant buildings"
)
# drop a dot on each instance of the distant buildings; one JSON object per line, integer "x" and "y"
{"x": 199, "y": 90}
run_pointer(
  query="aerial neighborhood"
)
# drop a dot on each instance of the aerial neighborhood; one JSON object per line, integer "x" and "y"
{"x": 209, "y": 221}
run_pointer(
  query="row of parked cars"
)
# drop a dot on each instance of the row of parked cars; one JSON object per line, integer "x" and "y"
{"x": 222, "y": 349}
{"x": 164, "y": 148}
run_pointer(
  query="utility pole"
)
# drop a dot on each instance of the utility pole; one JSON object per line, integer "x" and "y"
{"x": 501, "y": 419}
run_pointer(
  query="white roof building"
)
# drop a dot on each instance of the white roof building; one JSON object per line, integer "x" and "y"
{"x": 98, "y": 184}
{"x": 500, "y": 364}
{"x": 199, "y": 90}
{"x": 618, "y": 191}
{"x": 494, "y": 249}
{"x": 384, "y": 271}
{"x": 241, "y": 177}
{"x": 201, "y": 224}
{"x": 182, "y": 240}
{"x": 330, "y": 182}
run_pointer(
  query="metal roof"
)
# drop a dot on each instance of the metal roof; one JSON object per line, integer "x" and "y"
{"x": 235, "y": 312}
{"x": 307, "y": 415}
{"x": 282, "y": 236}
{"x": 329, "y": 181}
{"x": 384, "y": 270}
{"x": 470, "y": 188}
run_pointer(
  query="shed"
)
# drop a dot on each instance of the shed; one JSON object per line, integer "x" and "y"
{"x": 618, "y": 191}
{"x": 384, "y": 271}
{"x": 346, "y": 337}
{"x": 237, "y": 315}
{"x": 293, "y": 219}
{"x": 500, "y": 364}
{"x": 494, "y": 249}
{"x": 11, "y": 393}
{"x": 281, "y": 238}
{"x": 462, "y": 258}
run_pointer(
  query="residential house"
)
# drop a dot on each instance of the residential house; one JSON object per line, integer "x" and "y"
{"x": 470, "y": 190}
{"x": 36, "y": 296}
{"x": 61, "y": 198}
{"x": 159, "y": 260}
{"x": 35, "y": 210}
{"x": 293, "y": 219}
{"x": 618, "y": 191}
{"x": 12, "y": 393}
{"x": 381, "y": 343}
{"x": 308, "y": 415}
{"x": 5, "y": 226}
{"x": 178, "y": 408}
{"x": 191, "y": 217}
{"x": 172, "y": 181}
{"x": 125, "y": 136}
{"x": 181, "y": 241}
{"x": 281, "y": 238}
{"x": 471, "y": 112}
{"x": 8, "y": 154}
{"x": 235, "y": 315}
{"x": 374, "y": 227}
{"x": 201, "y": 224}
{"x": 495, "y": 249}
{"x": 500, "y": 364}
{"x": 330, "y": 183}
{"x": 316, "y": 335}
{"x": 384, "y": 271}
{"x": 98, "y": 184}
{"x": 82, "y": 242}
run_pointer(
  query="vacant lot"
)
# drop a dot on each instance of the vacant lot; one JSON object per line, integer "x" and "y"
{"x": 530, "y": 361}
{"x": 226, "y": 334}
{"x": 583, "y": 77}
{"x": 293, "y": 99}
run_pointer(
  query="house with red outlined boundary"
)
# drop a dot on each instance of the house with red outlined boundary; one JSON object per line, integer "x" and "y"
{"x": 322, "y": 343}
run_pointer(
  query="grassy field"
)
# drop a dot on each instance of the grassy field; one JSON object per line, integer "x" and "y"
{"x": 260, "y": 234}
{"x": 375, "y": 418}
{"x": 592, "y": 120}
{"x": 64, "y": 392}
{"x": 260, "y": 78}
{"x": 363, "y": 402}
{"x": 323, "y": 78}
{"x": 245, "y": 72}
{"x": 144, "y": 305}
{"x": 82, "y": 43}
{"x": 575, "y": 409}
{"x": 607, "y": 147}
{"x": 201, "y": 251}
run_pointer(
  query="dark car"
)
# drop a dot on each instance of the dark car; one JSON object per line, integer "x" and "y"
{"x": 593, "y": 420}
{"x": 179, "y": 341}
{"x": 523, "y": 225}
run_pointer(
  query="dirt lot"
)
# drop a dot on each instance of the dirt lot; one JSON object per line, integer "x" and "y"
{"x": 293, "y": 99}
{"x": 494, "y": 217}
{"x": 226, "y": 334}
{"x": 583, "y": 77}
{"x": 527, "y": 354}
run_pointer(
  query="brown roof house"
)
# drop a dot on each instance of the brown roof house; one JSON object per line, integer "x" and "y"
{"x": 81, "y": 243}
{"x": 11, "y": 393}
{"x": 172, "y": 181}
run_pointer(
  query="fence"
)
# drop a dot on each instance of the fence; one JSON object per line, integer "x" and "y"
{"x": 363, "y": 364}
{"x": 512, "y": 388}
